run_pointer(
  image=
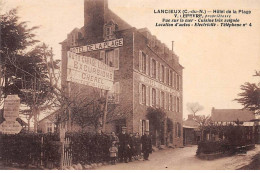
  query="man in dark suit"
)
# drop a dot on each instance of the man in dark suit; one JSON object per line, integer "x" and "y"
{"x": 123, "y": 145}
{"x": 146, "y": 145}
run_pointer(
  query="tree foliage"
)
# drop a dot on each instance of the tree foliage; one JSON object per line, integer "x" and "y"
{"x": 23, "y": 68}
{"x": 194, "y": 107}
{"x": 250, "y": 96}
{"x": 156, "y": 117}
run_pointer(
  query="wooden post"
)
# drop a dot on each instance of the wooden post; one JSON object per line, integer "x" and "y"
{"x": 69, "y": 108}
{"x": 105, "y": 112}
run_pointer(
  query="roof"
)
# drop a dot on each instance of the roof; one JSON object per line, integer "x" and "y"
{"x": 51, "y": 117}
{"x": 190, "y": 123}
{"x": 189, "y": 127}
{"x": 228, "y": 115}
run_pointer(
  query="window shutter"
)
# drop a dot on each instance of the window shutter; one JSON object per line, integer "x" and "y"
{"x": 140, "y": 127}
{"x": 140, "y": 93}
{"x": 180, "y": 82}
{"x": 147, "y": 65}
{"x": 147, "y": 125}
{"x": 147, "y": 96}
{"x": 168, "y": 101}
{"x": 151, "y": 96}
{"x": 102, "y": 56}
{"x": 165, "y": 75}
{"x": 151, "y": 67}
{"x": 156, "y": 67}
{"x": 165, "y": 101}
{"x": 160, "y": 72}
{"x": 160, "y": 99}
{"x": 116, "y": 59}
{"x": 140, "y": 61}
{"x": 157, "y": 98}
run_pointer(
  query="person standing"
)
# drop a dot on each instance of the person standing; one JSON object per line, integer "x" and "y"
{"x": 130, "y": 151}
{"x": 137, "y": 146}
{"x": 123, "y": 145}
{"x": 114, "y": 138}
{"x": 146, "y": 145}
{"x": 113, "y": 153}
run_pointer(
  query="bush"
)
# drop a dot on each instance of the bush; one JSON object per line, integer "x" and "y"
{"x": 89, "y": 148}
{"x": 26, "y": 148}
{"x": 209, "y": 147}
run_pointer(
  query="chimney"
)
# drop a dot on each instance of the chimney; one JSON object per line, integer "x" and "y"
{"x": 95, "y": 12}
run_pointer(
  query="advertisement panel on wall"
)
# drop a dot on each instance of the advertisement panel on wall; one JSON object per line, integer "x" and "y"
{"x": 89, "y": 71}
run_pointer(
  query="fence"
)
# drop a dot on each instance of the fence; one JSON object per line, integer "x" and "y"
{"x": 40, "y": 150}
{"x": 46, "y": 150}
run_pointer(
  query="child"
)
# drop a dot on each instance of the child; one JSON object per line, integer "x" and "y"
{"x": 113, "y": 153}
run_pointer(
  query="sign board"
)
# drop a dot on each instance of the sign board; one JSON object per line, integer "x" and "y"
{"x": 89, "y": 71}
{"x": 147, "y": 81}
{"x": 10, "y": 127}
{"x": 11, "y": 107}
{"x": 98, "y": 46}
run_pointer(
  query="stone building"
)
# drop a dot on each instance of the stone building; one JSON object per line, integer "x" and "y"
{"x": 146, "y": 72}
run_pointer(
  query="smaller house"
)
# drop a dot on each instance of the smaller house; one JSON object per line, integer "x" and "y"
{"x": 235, "y": 116}
{"x": 47, "y": 124}
{"x": 191, "y": 132}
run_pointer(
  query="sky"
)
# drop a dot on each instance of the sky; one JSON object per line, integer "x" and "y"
{"x": 216, "y": 61}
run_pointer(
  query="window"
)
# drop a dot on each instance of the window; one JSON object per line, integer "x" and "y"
{"x": 144, "y": 126}
{"x": 143, "y": 94}
{"x": 177, "y": 130}
{"x": 179, "y": 82}
{"x": 162, "y": 73}
{"x": 49, "y": 127}
{"x": 175, "y": 81}
{"x": 167, "y": 76}
{"x": 143, "y": 62}
{"x": 153, "y": 68}
{"x": 111, "y": 58}
{"x": 177, "y": 77}
{"x": 113, "y": 95}
{"x": 170, "y": 103}
{"x": 162, "y": 100}
{"x": 170, "y": 78}
{"x": 153, "y": 97}
{"x": 178, "y": 104}
{"x": 174, "y": 103}
{"x": 108, "y": 30}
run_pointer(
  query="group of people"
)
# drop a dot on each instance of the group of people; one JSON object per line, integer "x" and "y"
{"x": 125, "y": 148}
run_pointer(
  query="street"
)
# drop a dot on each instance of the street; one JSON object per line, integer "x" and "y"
{"x": 185, "y": 159}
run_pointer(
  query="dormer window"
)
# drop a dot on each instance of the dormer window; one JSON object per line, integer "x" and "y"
{"x": 109, "y": 30}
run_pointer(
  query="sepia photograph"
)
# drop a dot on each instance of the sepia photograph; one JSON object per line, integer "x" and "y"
{"x": 129, "y": 85}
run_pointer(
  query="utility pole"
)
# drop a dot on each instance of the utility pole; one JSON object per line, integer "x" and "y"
{"x": 105, "y": 112}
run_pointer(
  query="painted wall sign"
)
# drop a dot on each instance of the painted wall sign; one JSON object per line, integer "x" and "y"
{"x": 98, "y": 46}
{"x": 155, "y": 84}
{"x": 89, "y": 71}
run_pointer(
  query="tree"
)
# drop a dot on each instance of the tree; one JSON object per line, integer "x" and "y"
{"x": 23, "y": 69}
{"x": 156, "y": 118}
{"x": 194, "y": 107}
{"x": 250, "y": 96}
{"x": 203, "y": 122}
